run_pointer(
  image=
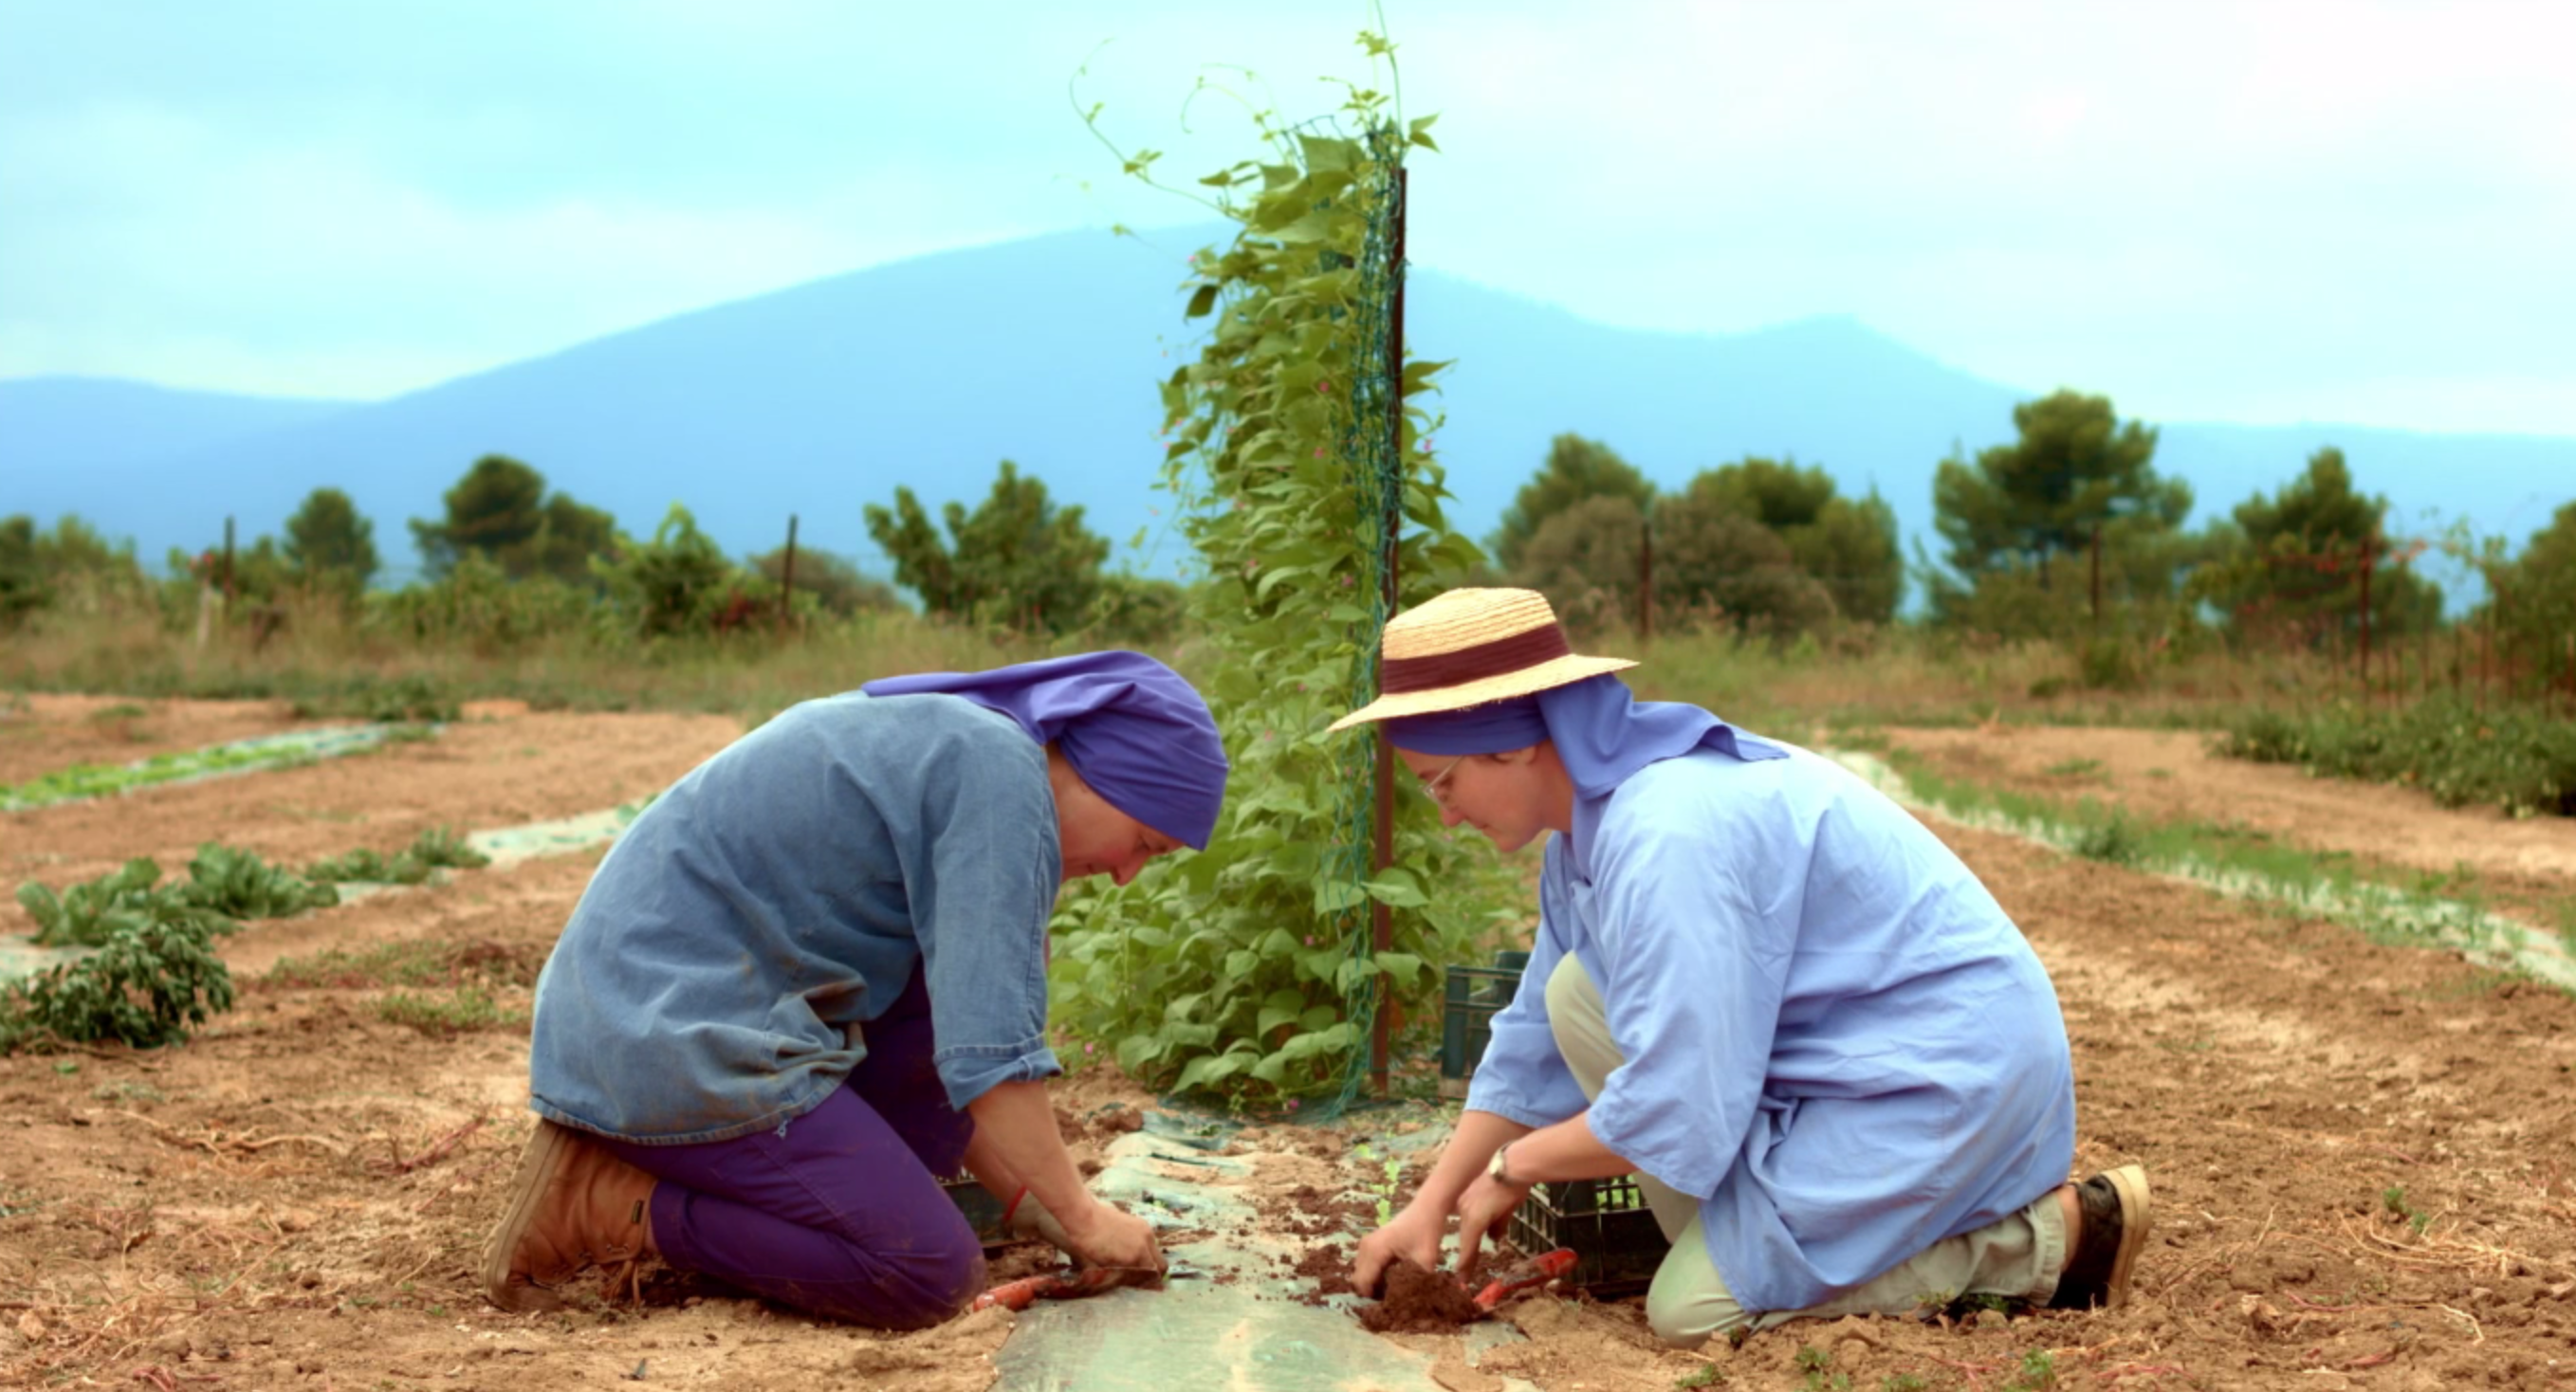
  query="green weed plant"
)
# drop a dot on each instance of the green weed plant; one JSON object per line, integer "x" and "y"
{"x": 463, "y": 1011}
{"x": 434, "y": 849}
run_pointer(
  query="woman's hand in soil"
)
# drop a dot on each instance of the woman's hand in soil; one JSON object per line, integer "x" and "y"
{"x": 1413, "y": 1233}
{"x": 1106, "y": 1235}
{"x": 1485, "y": 1210}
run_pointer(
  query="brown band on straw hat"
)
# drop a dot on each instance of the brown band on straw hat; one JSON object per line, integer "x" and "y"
{"x": 1397, "y": 675}
{"x": 1473, "y": 647}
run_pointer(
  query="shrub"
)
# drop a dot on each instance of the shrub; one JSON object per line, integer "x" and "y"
{"x": 149, "y": 981}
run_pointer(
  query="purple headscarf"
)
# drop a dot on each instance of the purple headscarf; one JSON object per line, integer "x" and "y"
{"x": 1138, "y": 734}
{"x": 1601, "y": 731}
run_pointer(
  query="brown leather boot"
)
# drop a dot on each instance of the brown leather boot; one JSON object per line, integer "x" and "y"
{"x": 572, "y": 1205}
{"x": 2114, "y": 1208}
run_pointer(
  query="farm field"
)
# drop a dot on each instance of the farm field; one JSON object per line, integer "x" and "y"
{"x": 2364, "y": 1156}
{"x": 2168, "y": 775}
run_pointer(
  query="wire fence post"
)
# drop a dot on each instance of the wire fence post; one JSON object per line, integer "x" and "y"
{"x": 228, "y": 569}
{"x": 2097, "y": 579}
{"x": 2368, "y": 554}
{"x": 1381, "y": 920}
{"x": 1645, "y": 577}
{"x": 787, "y": 578}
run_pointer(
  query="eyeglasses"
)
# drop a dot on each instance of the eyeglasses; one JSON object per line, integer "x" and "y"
{"x": 1432, "y": 784}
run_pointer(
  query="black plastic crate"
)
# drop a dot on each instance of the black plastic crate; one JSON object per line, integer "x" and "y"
{"x": 1469, "y": 998}
{"x": 983, "y": 1211}
{"x": 1616, "y": 1243}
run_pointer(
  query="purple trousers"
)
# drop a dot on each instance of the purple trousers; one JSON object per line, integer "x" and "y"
{"x": 837, "y": 1213}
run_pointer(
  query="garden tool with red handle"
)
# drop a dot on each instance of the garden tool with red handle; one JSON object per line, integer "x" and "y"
{"x": 1537, "y": 1271}
{"x": 1065, "y": 1285}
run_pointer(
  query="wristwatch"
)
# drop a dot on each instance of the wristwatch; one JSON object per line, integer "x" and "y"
{"x": 1499, "y": 1168}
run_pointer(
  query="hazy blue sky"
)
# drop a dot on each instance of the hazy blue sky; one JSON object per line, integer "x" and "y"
{"x": 2249, "y": 211}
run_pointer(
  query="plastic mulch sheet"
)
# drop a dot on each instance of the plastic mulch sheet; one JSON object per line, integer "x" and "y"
{"x": 1231, "y": 1316}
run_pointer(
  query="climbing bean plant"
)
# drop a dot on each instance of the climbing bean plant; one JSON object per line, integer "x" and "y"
{"x": 1248, "y": 969}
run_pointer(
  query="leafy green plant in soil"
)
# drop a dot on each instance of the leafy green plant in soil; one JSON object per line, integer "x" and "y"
{"x": 2521, "y": 760}
{"x": 89, "y": 913}
{"x": 102, "y": 780}
{"x": 238, "y": 884}
{"x": 146, "y": 985}
{"x": 155, "y": 973}
{"x": 433, "y": 849}
{"x": 1247, "y": 969}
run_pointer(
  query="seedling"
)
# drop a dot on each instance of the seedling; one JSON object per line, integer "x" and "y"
{"x": 1706, "y": 1376}
{"x": 2037, "y": 1373}
{"x": 2393, "y": 1198}
{"x": 1818, "y": 1367}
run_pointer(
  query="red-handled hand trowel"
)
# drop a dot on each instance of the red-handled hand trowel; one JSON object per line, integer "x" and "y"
{"x": 1537, "y": 1271}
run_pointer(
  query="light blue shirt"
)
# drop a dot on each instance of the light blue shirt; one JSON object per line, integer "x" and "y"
{"x": 717, "y": 976}
{"x": 1836, "y": 1039}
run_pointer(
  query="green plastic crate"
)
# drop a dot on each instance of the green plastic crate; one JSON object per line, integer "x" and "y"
{"x": 1469, "y": 998}
{"x": 982, "y": 1211}
{"x": 1616, "y": 1242}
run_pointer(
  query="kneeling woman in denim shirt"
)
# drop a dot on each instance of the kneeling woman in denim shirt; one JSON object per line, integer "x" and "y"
{"x": 1836, "y": 1067}
{"x": 811, "y": 978}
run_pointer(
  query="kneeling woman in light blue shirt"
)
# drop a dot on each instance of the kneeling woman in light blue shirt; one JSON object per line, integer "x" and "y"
{"x": 811, "y": 979}
{"x": 1834, "y": 1063}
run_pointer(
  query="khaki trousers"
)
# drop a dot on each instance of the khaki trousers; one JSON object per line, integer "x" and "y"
{"x": 2017, "y": 1257}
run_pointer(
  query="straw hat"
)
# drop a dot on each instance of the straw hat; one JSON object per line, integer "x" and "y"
{"x": 1471, "y": 648}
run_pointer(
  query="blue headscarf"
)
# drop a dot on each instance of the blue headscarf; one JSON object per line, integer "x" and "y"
{"x": 1601, "y": 731}
{"x": 1138, "y": 734}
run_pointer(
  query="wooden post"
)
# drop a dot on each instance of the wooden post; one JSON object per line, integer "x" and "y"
{"x": 2486, "y": 651}
{"x": 2367, "y": 556}
{"x": 2097, "y": 579}
{"x": 228, "y": 569}
{"x": 787, "y": 578}
{"x": 1645, "y": 576}
{"x": 1381, "y": 923}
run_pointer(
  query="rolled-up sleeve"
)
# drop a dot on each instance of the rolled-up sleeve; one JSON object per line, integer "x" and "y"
{"x": 1522, "y": 1076}
{"x": 981, "y": 918}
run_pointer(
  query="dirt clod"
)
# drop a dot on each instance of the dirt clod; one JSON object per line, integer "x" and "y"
{"x": 1420, "y": 1302}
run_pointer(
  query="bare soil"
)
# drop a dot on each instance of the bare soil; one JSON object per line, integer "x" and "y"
{"x": 2364, "y": 1157}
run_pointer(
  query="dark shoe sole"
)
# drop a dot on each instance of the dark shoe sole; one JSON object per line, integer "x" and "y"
{"x": 2130, "y": 1183}
{"x": 546, "y": 1152}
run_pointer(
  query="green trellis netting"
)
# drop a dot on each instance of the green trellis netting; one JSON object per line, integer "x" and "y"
{"x": 1248, "y": 970}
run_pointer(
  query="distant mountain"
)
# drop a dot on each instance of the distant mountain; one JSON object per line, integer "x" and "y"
{"x": 73, "y": 444}
{"x": 825, "y": 396}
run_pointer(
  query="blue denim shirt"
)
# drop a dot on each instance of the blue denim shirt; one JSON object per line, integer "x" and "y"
{"x": 1835, "y": 1038}
{"x": 717, "y": 976}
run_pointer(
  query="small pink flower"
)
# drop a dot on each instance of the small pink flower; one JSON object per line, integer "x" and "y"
{"x": 1292, "y": 1104}
{"x": 1322, "y": 387}
{"x": 1319, "y": 451}
{"x": 1087, "y": 1048}
{"x": 1310, "y": 940}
